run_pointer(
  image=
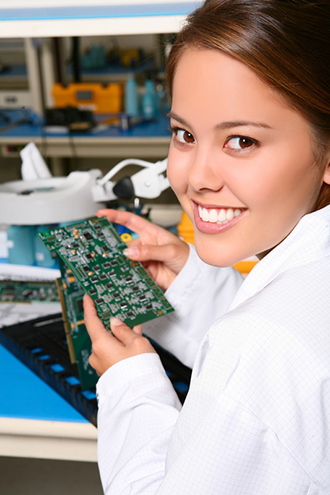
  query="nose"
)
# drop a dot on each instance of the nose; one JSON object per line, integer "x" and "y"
{"x": 204, "y": 173}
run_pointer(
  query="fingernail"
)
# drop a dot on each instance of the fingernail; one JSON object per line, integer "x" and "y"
{"x": 131, "y": 251}
{"x": 115, "y": 322}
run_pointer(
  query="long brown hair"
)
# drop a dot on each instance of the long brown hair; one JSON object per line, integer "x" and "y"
{"x": 286, "y": 42}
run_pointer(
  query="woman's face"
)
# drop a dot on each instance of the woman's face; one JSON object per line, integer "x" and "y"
{"x": 240, "y": 161}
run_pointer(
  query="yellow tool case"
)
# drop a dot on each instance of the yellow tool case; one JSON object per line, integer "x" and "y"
{"x": 89, "y": 96}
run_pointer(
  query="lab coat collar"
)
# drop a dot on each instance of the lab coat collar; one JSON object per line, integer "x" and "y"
{"x": 309, "y": 241}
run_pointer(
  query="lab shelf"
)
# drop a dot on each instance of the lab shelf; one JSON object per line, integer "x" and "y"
{"x": 88, "y": 20}
{"x": 148, "y": 139}
{"x": 16, "y": 75}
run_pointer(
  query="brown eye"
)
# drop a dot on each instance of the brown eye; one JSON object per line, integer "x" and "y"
{"x": 245, "y": 142}
{"x": 240, "y": 142}
{"x": 189, "y": 138}
{"x": 184, "y": 136}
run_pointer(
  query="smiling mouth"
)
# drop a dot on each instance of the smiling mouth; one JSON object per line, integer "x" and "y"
{"x": 219, "y": 216}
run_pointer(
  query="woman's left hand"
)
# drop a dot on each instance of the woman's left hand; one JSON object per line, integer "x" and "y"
{"x": 109, "y": 349}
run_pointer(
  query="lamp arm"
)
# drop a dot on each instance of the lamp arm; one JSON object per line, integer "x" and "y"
{"x": 147, "y": 183}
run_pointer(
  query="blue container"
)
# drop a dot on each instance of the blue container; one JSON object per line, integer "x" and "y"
{"x": 131, "y": 98}
{"x": 20, "y": 244}
{"x": 149, "y": 100}
{"x": 42, "y": 255}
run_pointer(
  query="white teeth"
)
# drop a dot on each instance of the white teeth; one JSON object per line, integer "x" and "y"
{"x": 205, "y": 215}
{"x": 230, "y": 214}
{"x": 213, "y": 216}
{"x": 218, "y": 216}
{"x": 222, "y": 215}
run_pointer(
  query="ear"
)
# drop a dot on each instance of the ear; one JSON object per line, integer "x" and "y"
{"x": 326, "y": 174}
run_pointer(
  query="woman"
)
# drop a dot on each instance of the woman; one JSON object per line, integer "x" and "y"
{"x": 249, "y": 162}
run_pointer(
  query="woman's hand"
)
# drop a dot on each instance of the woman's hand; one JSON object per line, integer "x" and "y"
{"x": 163, "y": 254}
{"x": 109, "y": 349}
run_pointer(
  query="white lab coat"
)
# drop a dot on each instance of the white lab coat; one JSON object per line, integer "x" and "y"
{"x": 256, "y": 420}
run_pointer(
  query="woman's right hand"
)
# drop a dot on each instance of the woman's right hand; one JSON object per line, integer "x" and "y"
{"x": 162, "y": 253}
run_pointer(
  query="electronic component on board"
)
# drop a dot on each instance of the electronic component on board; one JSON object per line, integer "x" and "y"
{"x": 119, "y": 287}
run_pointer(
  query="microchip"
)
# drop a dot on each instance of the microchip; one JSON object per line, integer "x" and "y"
{"x": 86, "y": 268}
{"x": 100, "y": 234}
{"x": 80, "y": 306}
{"x": 106, "y": 249}
{"x": 89, "y": 256}
{"x": 116, "y": 295}
{"x": 87, "y": 236}
{"x": 99, "y": 301}
{"x": 97, "y": 268}
{"x": 113, "y": 263}
{"x": 149, "y": 306}
{"x": 106, "y": 265}
{"x": 103, "y": 276}
{"x": 109, "y": 286}
{"x": 94, "y": 279}
{"x": 92, "y": 292}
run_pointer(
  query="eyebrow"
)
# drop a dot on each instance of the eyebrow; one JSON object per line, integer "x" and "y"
{"x": 224, "y": 125}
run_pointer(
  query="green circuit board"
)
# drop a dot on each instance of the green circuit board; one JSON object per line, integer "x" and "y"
{"x": 79, "y": 343}
{"x": 93, "y": 251}
{"x": 29, "y": 292}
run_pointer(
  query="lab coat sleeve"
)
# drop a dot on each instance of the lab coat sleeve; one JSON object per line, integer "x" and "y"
{"x": 200, "y": 294}
{"x": 138, "y": 409}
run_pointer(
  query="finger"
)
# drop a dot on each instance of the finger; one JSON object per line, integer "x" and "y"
{"x": 93, "y": 323}
{"x": 134, "y": 242}
{"x": 121, "y": 331}
{"x": 130, "y": 220}
{"x": 138, "y": 329}
{"x": 147, "y": 252}
{"x": 93, "y": 361}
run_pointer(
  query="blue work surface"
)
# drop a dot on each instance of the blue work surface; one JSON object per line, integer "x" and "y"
{"x": 24, "y": 395}
{"x": 34, "y": 128}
